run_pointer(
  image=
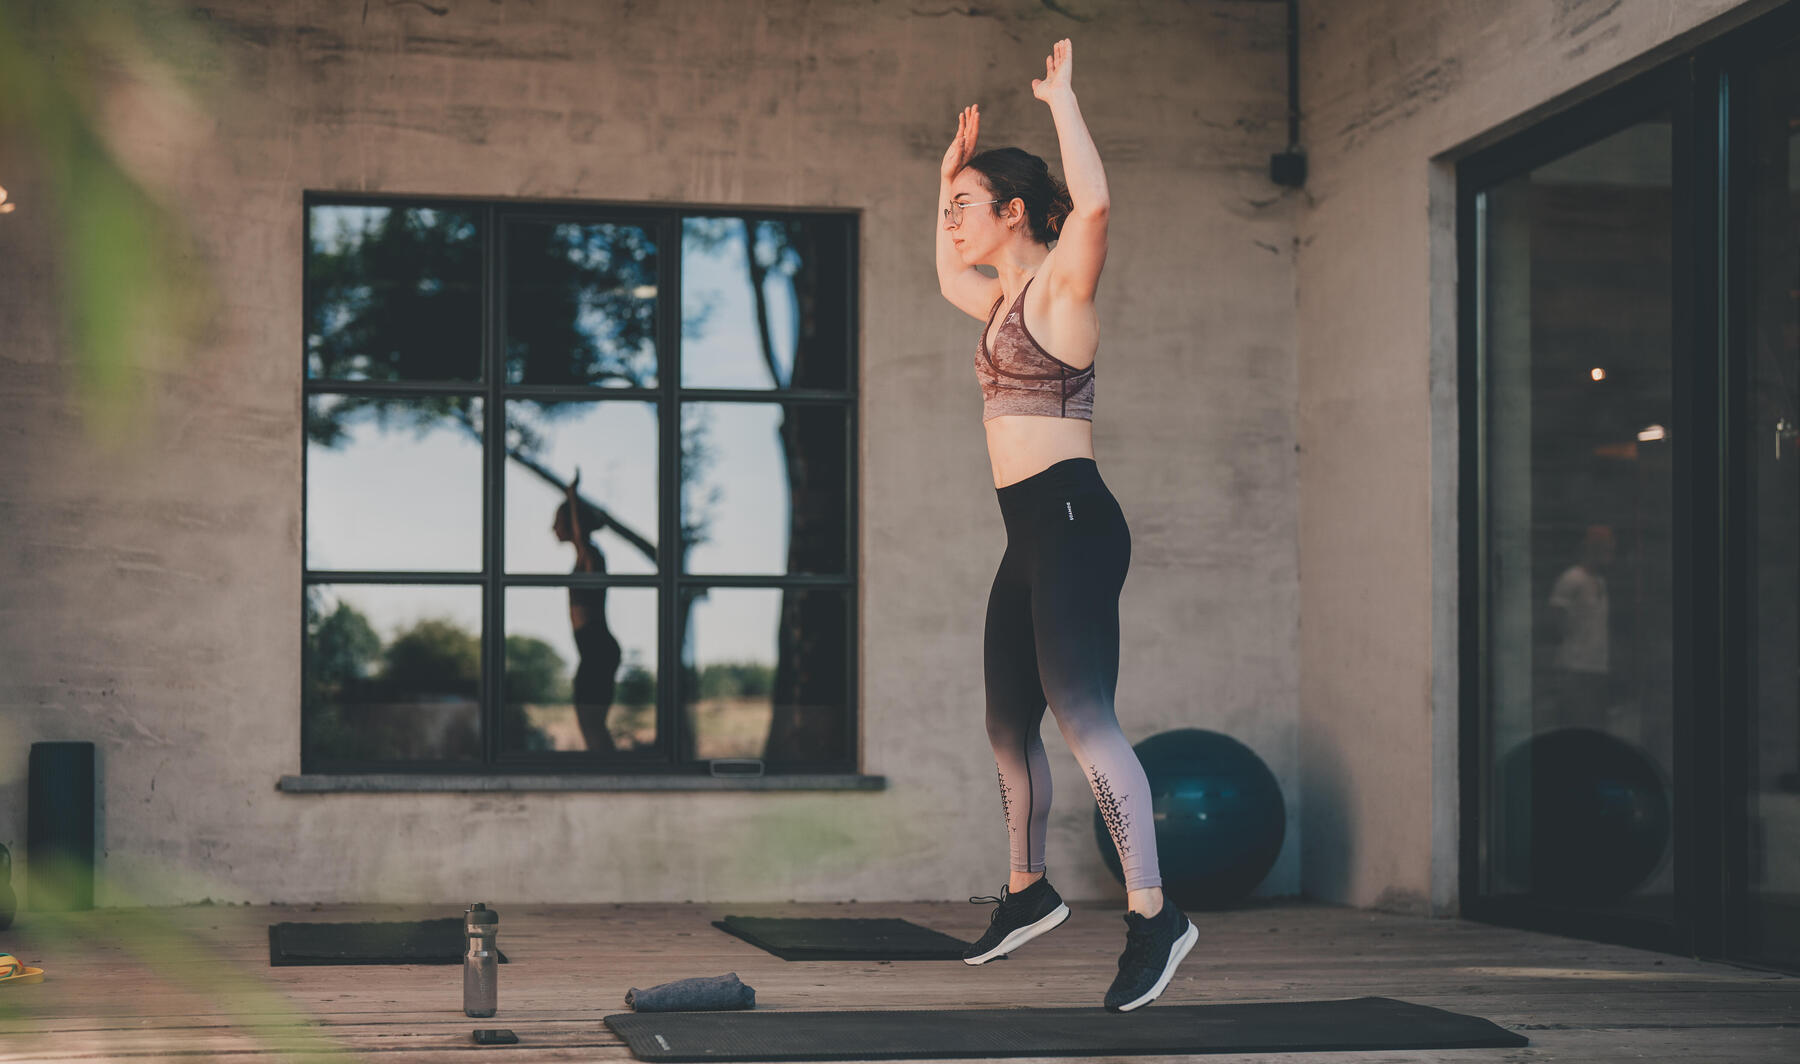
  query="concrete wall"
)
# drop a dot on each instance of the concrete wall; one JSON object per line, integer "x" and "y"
{"x": 1392, "y": 92}
{"x": 152, "y": 591}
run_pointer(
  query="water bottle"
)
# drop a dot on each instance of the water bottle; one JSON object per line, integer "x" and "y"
{"x": 481, "y": 964}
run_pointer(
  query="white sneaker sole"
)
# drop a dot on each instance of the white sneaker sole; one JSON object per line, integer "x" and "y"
{"x": 1177, "y": 953}
{"x": 1022, "y": 935}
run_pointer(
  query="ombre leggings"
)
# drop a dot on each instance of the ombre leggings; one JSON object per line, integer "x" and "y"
{"x": 1053, "y": 636}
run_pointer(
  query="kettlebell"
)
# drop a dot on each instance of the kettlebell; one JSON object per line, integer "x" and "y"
{"x": 9, "y": 902}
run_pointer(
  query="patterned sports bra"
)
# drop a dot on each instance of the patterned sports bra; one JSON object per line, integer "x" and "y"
{"x": 1020, "y": 377}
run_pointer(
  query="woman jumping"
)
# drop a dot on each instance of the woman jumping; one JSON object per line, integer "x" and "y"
{"x": 1053, "y": 614}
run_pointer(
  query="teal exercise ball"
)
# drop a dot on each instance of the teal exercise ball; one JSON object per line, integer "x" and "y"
{"x": 1586, "y": 816}
{"x": 1220, "y": 818}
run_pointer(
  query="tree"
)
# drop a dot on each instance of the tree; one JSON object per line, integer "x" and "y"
{"x": 535, "y": 672}
{"x": 435, "y": 656}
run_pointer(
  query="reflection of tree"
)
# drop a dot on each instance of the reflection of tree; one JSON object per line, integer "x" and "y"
{"x": 808, "y": 690}
{"x": 398, "y": 300}
{"x": 394, "y": 296}
{"x": 433, "y": 657}
{"x": 434, "y": 662}
{"x": 535, "y": 675}
{"x": 810, "y": 658}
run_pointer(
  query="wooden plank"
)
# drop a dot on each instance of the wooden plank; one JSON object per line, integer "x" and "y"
{"x": 194, "y": 982}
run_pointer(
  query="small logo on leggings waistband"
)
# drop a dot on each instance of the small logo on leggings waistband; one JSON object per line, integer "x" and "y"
{"x": 1071, "y": 507}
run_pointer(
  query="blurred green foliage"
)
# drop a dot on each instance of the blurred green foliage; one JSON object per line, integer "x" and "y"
{"x": 77, "y": 76}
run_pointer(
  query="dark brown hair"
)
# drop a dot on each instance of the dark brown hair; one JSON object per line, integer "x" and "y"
{"x": 591, "y": 519}
{"x": 1013, "y": 173}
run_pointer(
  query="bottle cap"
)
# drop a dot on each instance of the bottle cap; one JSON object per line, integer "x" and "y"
{"x": 481, "y": 914}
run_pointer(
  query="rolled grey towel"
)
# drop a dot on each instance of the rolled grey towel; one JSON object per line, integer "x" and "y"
{"x": 693, "y": 995}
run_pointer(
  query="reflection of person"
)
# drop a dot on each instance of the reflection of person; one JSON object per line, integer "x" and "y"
{"x": 598, "y": 669}
{"x": 1578, "y": 618}
{"x": 1052, "y": 629}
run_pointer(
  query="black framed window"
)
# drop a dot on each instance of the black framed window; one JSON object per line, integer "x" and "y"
{"x": 689, "y": 602}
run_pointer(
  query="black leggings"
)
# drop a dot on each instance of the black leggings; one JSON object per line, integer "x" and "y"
{"x": 1053, "y": 635}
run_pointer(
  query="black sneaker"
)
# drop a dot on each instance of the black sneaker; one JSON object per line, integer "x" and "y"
{"x": 1154, "y": 945}
{"x": 1017, "y": 919}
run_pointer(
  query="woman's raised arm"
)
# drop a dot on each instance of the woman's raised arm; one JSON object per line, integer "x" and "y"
{"x": 967, "y": 288}
{"x": 1081, "y": 245}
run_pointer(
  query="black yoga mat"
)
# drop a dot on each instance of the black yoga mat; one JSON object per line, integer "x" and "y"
{"x": 843, "y": 940}
{"x": 408, "y": 942}
{"x": 1282, "y": 1026}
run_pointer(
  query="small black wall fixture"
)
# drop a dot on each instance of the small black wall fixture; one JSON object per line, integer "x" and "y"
{"x": 1288, "y": 168}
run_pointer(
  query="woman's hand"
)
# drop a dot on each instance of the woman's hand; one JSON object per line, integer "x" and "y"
{"x": 1058, "y": 68}
{"x": 574, "y": 482}
{"x": 962, "y": 149}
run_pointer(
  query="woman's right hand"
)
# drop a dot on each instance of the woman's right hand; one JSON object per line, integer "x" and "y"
{"x": 962, "y": 149}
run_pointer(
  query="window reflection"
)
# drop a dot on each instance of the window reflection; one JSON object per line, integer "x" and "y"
{"x": 392, "y": 673}
{"x": 393, "y": 294}
{"x": 580, "y": 671}
{"x": 580, "y": 304}
{"x": 764, "y": 303}
{"x": 397, "y": 487}
{"x": 763, "y": 488}
{"x": 393, "y": 484}
{"x": 612, "y": 447}
{"x": 1577, "y": 342}
{"x": 764, "y": 672}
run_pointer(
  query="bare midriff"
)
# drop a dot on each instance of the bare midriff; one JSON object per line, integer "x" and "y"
{"x": 1020, "y": 445}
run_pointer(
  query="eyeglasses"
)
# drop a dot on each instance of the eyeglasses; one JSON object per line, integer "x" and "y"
{"x": 953, "y": 213}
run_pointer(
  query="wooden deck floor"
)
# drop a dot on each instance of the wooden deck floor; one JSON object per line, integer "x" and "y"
{"x": 194, "y": 982}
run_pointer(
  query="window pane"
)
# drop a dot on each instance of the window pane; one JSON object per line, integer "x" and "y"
{"x": 764, "y": 675}
{"x": 392, "y": 673}
{"x": 1576, "y": 290}
{"x": 763, "y": 488}
{"x": 613, "y": 446}
{"x": 764, "y": 303}
{"x": 393, "y": 484}
{"x": 580, "y": 671}
{"x": 580, "y": 304}
{"x": 393, "y": 294}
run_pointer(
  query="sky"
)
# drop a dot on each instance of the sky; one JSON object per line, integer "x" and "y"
{"x": 390, "y": 500}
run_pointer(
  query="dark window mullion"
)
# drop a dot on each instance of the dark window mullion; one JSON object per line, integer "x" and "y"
{"x": 852, "y": 752}
{"x": 852, "y": 684}
{"x": 393, "y": 389}
{"x": 573, "y": 579}
{"x": 814, "y": 396}
{"x": 493, "y": 643}
{"x": 701, "y": 581}
{"x": 580, "y": 393}
{"x": 392, "y": 576}
{"x": 669, "y": 718}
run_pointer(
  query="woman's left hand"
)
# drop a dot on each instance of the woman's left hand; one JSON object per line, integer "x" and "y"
{"x": 1058, "y": 69}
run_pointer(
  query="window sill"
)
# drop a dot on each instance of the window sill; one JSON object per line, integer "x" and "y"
{"x": 407, "y": 781}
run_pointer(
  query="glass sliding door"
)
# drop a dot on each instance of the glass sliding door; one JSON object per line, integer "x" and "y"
{"x": 1629, "y": 304}
{"x": 1768, "y": 437}
{"x": 1573, "y": 266}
